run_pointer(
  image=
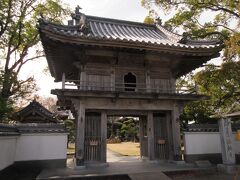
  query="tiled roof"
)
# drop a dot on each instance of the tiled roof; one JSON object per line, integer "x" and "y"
{"x": 233, "y": 115}
{"x": 203, "y": 128}
{"x": 40, "y": 128}
{"x": 8, "y": 130}
{"x": 209, "y": 127}
{"x": 97, "y": 28}
{"x": 17, "y": 129}
{"x": 33, "y": 107}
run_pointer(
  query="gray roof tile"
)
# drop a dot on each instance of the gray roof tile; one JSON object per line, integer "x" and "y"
{"x": 25, "y": 128}
{"x": 125, "y": 31}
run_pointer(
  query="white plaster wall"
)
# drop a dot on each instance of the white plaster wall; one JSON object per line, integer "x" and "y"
{"x": 7, "y": 151}
{"x": 206, "y": 143}
{"x": 202, "y": 142}
{"x": 41, "y": 147}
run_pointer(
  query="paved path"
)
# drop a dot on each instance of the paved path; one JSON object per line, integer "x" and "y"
{"x": 134, "y": 167}
{"x": 116, "y": 157}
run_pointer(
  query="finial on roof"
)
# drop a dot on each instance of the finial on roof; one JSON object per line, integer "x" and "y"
{"x": 185, "y": 37}
{"x": 79, "y": 19}
{"x": 158, "y": 21}
{"x": 77, "y": 9}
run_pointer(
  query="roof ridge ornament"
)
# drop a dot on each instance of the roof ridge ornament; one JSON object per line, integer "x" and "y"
{"x": 186, "y": 39}
{"x": 79, "y": 19}
{"x": 158, "y": 21}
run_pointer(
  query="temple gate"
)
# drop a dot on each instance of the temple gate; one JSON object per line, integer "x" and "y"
{"x": 110, "y": 66}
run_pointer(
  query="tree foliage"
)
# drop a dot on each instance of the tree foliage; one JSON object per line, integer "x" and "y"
{"x": 19, "y": 42}
{"x": 129, "y": 129}
{"x": 222, "y": 85}
{"x": 71, "y": 129}
{"x": 204, "y": 19}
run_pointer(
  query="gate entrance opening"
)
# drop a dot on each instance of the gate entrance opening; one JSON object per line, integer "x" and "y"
{"x": 149, "y": 136}
{"x": 123, "y": 143}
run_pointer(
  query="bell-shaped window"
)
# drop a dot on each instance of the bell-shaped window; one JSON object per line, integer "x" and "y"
{"x": 130, "y": 82}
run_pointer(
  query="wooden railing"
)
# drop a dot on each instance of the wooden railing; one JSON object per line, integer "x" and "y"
{"x": 123, "y": 87}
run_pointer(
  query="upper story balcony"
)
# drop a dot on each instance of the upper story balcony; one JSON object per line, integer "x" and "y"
{"x": 125, "y": 90}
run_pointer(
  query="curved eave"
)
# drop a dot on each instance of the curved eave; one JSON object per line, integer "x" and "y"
{"x": 124, "y": 43}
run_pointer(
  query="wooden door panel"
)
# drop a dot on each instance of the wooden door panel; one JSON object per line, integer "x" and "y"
{"x": 92, "y": 142}
{"x": 143, "y": 137}
{"x": 161, "y": 141}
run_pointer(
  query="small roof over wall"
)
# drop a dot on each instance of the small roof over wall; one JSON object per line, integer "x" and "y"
{"x": 30, "y": 128}
{"x": 233, "y": 115}
{"x": 34, "y": 113}
{"x": 209, "y": 127}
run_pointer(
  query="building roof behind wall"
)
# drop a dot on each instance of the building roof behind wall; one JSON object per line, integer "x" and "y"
{"x": 34, "y": 113}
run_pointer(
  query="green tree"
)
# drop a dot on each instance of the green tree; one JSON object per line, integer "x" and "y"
{"x": 149, "y": 19}
{"x": 71, "y": 129}
{"x": 222, "y": 85}
{"x": 19, "y": 43}
{"x": 129, "y": 129}
{"x": 223, "y": 19}
{"x": 197, "y": 112}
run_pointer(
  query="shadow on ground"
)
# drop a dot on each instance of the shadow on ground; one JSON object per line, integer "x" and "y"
{"x": 16, "y": 172}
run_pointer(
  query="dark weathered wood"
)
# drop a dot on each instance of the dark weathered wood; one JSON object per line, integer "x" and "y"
{"x": 93, "y": 138}
{"x": 170, "y": 136}
{"x": 80, "y": 134}
{"x": 143, "y": 136}
{"x": 150, "y": 128}
{"x": 103, "y": 136}
{"x": 96, "y": 52}
{"x": 161, "y": 140}
{"x": 177, "y": 108}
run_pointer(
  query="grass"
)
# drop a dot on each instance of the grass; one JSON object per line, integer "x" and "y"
{"x": 125, "y": 148}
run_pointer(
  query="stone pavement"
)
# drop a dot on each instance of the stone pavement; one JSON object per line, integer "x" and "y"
{"x": 134, "y": 167}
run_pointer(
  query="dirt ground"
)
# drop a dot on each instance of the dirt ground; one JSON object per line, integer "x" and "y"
{"x": 125, "y": 148}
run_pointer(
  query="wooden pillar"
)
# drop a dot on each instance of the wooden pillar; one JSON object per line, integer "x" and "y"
{"x": 63, "y": 80}
{"x": 104, "y": 137}
{"x": 169, "y": 135}
{"x": 173, "y": 85}
{"x": 148, "y": 82}
{"x": 83, "y": 78}
{"x": 228, "y": 153}
{"x": 80, "y": 135}
{"x": 141, "y": 136}
{"x": 177, "y": 108}
{"x": 150, "y": 136}
{"x": 112, "y": 79}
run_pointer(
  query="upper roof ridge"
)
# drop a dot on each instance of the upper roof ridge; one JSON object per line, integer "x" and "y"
{"x": 119, "y": 21}
{"x": 174, "y": 36}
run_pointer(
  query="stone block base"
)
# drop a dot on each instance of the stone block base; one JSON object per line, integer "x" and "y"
{"x": 228, "y": 169}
